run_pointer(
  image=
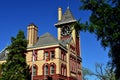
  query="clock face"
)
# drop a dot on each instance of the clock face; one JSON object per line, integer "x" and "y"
{"x": 66, "y": 30}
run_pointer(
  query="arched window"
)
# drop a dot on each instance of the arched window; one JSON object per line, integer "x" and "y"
{"x": 79, "y": 75}
{"x": 65, "y": 71}
{"x": 34, "y": 70}
{"x": 52, "y": 69}
{"x": 62, "y": 69}
{"x": 46, "y": 70}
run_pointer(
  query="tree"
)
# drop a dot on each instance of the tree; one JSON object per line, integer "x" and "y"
{"x": 105, "y": 23}
{"x": 86, "y": 72}
{"x": 102, "y": 73}
{"x": 15, "y": 67}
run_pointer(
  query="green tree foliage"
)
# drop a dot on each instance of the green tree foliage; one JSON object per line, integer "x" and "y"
{"x": 86, "y": 72}
{"x": 105, "y": 23}
{"x": 16, "y": 67}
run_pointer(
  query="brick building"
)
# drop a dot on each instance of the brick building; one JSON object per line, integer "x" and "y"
{"x": 56, "y": 59}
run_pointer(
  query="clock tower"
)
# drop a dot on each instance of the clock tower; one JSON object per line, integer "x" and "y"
{"x": 70, "y": 38}
{"x": 66, "y": 29}
{"x": 65, "y": 24}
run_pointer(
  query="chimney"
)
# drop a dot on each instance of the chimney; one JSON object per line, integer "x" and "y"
{"x": 32, "y": 34}
{"x": 59, "y": 14}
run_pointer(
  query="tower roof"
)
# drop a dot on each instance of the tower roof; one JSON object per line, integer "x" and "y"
{"x": 66, "y": 18}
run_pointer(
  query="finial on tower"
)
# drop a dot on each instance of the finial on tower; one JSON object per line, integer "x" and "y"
{"x": 68, "y": 5}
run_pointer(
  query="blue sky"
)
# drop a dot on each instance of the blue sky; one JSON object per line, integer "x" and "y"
{"x": 16, "y": 15}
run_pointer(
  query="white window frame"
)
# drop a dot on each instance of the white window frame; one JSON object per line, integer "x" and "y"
{"x": 52, "y": 54}
{"x": 52, "y": 69}
{"x": 46, "y": 55}
{"x": 34, "y": 70}
{"x": 46, "y": 70}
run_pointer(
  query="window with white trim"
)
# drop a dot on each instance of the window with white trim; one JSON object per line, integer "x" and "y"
{"x": 46, "y": 70}
{"x": 46, "y": 55}
{"x": 52, "y": 69}
{"x": 64, "y": 71}
{"x": 34, "y": 70}
{"x": 52, "y": 55}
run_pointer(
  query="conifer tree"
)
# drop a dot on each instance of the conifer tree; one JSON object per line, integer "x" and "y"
{"x": 16, "y": 67}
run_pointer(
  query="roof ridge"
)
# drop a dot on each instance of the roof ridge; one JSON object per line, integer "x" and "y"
{"x": 45, "y": 34}
{"x": 49, "y": 35}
